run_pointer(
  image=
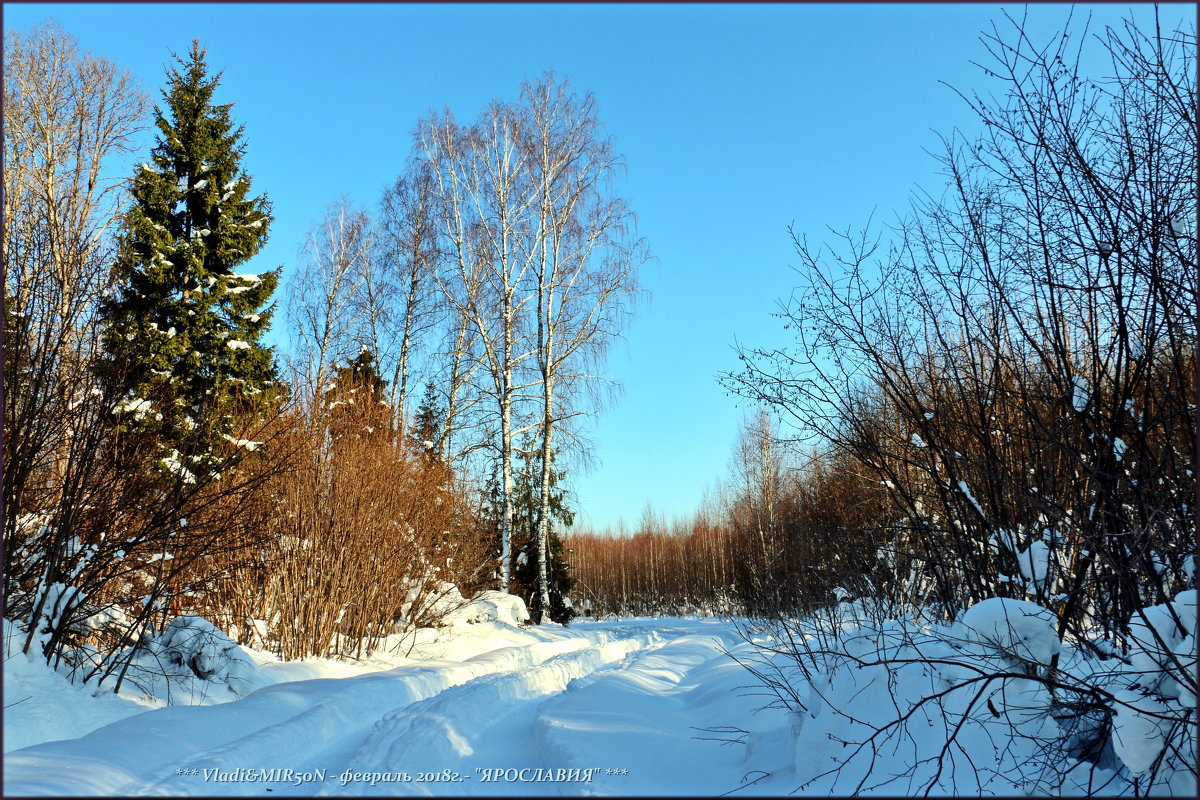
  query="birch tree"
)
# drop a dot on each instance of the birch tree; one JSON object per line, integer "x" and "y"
{"x": 406, "y": 294}
{"x": 586, "y": 257}
{"x": 324, "y": 301}
{"x": 481, "y": 184}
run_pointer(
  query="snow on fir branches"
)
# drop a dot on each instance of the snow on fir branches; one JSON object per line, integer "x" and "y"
{"x": 181, "y": 327}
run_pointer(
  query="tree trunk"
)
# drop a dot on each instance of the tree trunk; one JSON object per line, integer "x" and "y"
{"x": 543, "y": 528}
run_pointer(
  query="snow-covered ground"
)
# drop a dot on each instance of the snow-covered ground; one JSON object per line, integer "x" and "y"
{"x": 611, "y": 708}
{"x": 617, "y": 707}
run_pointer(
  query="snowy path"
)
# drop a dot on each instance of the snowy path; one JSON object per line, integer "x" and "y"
{"x": 597, "y": 708}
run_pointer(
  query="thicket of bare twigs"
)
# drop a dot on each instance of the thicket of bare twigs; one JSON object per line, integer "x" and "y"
{"x": 366, "y": 529}
{"x": 1016, "y": 369}
{"x": 681, "y": 569}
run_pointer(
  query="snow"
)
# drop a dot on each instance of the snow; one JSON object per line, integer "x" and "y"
{"x": 1138, "y": 737}
{"x": 916, "y": 441}
{"x": 1079, "y": 394}
{"x": 966, "y": 490}
{"x": 248, "y": 282}
{"x": 1013, "y": 628}
{"x": 193, "y": 659}
{"x": 173, "y": 463}
{"x": 42, "y": 705}
{"x": 1185, "y": 607}
{"x": 200, "y": 184}
{"x": 487, "y": 705}
{"x": 510, "y": 710}
{"x": 246, "y": 443}
{"x": 237, "y": 344}
{"x": 137, "y": 406}
{"x": 1035, "y": 563}
{"x": 229, "y": 188}
{"x": 494, "y": 606}
{"x": 1158, "y": 636}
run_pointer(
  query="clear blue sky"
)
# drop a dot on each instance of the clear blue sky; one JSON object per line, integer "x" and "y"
{"x": 735, "y": 120}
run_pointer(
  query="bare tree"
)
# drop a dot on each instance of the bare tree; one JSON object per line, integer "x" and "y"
{"x": 325, "y": 299}
{"x": 585, "y": 267}
{"x": 409, "y": 256}
{"x": 67, "y": 112}
{"x": 756, "y": 510}
{"x": 480, "y": 181}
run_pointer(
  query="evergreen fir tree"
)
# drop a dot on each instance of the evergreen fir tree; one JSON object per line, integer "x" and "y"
{"x": 356, "y": 400}
{"x": 525, "y": 521}
{"x": 357, "y": 382}
{"x": 427, "y": 425}
{"x": 182, "y": 328}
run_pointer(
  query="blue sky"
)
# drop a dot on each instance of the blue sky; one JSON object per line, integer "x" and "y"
{"x": 735, "y": 121}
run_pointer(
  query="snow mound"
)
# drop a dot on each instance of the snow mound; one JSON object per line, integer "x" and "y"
{"x": 441, "y": 605}
{"x": 502, "y": 607}
{"x": 196, "y": 659}
{"x": 491, "y": 606}
{"x": 429, "y": 604}
{"x": 1138, "y": 734}
{"x": 1156, "y": 634}
{"x": 1016, "y": 628}
{"x": 42, "y": 704}
{"x": 1034, "y": 562}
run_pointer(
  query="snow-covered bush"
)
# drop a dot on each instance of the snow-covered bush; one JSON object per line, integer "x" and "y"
{"x": 1019, "y": 631}
{"x": 191, "y": 661}
{"x": 991, "y": 703}
{"x": 494, "y": 606}
{"x": 428, "y": 604}
{"x": 1162, "y": 646}
{"x": 439, "y": 604}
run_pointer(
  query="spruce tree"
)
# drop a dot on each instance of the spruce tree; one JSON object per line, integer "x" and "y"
{"x": 182, "y": 328}
{"x": 426, "y": 430}
{"x": 356, "y": 401}
{"x": 358, "y": 381}
{"x": 525, "y": 523}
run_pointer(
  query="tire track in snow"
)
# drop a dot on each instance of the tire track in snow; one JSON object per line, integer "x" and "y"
{"x": 648, "y": 718}
{"x": 294, "y": 724}
{"x": 314, "y": 737}
{"x": 442, "y": 731}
